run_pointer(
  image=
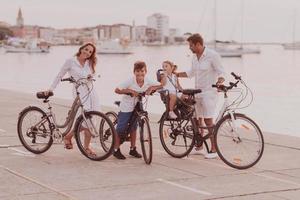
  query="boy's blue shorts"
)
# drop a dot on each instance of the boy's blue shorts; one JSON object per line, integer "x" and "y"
{"x": 123, "y": 120}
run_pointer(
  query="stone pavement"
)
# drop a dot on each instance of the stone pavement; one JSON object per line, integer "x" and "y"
{"x": 66, "y": 174}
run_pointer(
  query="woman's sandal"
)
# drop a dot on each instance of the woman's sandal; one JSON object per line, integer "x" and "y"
{"x": 90, "y": 152}
{"x": 68, "y": 144}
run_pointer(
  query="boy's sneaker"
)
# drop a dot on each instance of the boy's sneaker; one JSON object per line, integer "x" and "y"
{"x": 133, "y": 152}
{"x": 119, "y": 155}
{"x": 172, "y": 115}
{"x": 211, "y": 155}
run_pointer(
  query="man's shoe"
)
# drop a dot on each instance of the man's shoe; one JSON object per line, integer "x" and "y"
{"x": 211, "y": 155}
{"x": 119, "y": 155}
{"x": 133, "y": 152}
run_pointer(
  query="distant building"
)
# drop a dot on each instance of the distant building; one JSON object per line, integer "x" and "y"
{"x": 160, "y": 23}
{"x": 140, "y": 33}
{"x": 31, "y": 31}
{"x": 5, "y": 31}
{"x": 88, "y": 35}
{"x": 22, "y": 31}
{"x": 69, "y": 36}
{"x": 20, "y": 20}
{"x": 27, "y": 32}
{"x": 120, "y": 31}
{"x": 76, "y": 36}
{"x": 133, "y": 31}
{"x": 4, "y": 24}
{"x": 174, "y": 35}
{"x": 152, "y": 35}
{"x": 47, "y": 34}
{"x": 104, "y": 32}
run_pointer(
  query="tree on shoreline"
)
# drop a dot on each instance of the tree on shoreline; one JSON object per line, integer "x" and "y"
{"x": 5, "y": 32}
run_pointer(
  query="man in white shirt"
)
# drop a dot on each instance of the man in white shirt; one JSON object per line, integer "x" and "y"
{"x": 207, "y": 70}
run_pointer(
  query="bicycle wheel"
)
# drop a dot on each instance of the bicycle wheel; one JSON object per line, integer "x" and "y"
{"x": 106, "y": 134}
{"x": 239, "y": 141}
{"x": 177, "y": 136}
{"x": 146, "y": 139}
{"x": 87, "y": 134}
{"x": 34, "y": 130}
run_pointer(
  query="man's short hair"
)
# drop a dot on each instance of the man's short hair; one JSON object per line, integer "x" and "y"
{"x": 195, "y": 38}
{"x": 139, "y": 65}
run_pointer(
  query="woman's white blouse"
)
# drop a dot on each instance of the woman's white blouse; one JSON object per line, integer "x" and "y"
{"x": 88, "y": 95}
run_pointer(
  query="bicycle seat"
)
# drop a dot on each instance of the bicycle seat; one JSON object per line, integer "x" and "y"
{"x": 41, "y": 95}
{"x": 191, "y": 91}
{"x": 117, "y": 103}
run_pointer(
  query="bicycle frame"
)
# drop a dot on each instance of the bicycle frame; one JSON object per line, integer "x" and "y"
{"x": 76, "y": 105}
{"x": 68, "y": 123}
{"x": 138, "y": 112}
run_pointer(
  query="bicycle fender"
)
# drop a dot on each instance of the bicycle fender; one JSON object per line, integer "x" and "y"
{"x": 29, "y": 107}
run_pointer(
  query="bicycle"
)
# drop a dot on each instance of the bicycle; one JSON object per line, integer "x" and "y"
{"x": 239, "y": 140}
{"x": 139, "y": 116}
{"x": 37, "y": 129}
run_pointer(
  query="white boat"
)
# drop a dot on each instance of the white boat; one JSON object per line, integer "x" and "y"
{"x": 245, "y": 50}
{"x": 291, "y": 46}
{"x": 27, "y": 47}
{"x": 155, "y": 44}
{"x": 294, "y": 45}
{"x": 13, "y": 49}
{"x": 226, "y": 52}
{"x": 113, "y": 47}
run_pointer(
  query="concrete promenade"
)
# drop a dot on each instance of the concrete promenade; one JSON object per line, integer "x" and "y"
{"x": 61, "y": 174}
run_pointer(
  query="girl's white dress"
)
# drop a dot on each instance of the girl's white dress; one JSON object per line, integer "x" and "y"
{"x": 171, "y": 84}
{"x": 88, "y": 94}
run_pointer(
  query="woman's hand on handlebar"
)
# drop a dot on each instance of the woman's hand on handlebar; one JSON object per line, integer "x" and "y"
{"x": 47, "y": 92}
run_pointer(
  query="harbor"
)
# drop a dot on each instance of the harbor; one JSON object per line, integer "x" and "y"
{"x": 67, "y": 68}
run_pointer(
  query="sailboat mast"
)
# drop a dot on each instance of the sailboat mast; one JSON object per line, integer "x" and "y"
{"x": 294, "y": 26}
{"x": 242, "y": 22}
{"x": 215, "y": 24}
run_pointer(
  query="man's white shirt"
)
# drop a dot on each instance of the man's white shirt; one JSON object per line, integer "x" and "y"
{"x": 206, "y": 70}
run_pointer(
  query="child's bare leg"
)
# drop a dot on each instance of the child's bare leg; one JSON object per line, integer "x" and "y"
{"x": 172, "y": 102}
{"x": 133, "y": 139}
{"x": 117, "y": 141}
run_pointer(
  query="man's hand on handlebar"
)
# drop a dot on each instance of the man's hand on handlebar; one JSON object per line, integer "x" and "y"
{"x": 220, "y": 81}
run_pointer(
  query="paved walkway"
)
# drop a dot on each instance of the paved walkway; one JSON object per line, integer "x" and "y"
{"x": 66, "y": 174}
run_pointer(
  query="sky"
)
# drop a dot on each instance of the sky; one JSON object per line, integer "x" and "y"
{"x": 246, "y": 20}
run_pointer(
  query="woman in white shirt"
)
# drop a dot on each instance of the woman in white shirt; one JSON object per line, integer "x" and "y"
{"x": 82, "y": 65}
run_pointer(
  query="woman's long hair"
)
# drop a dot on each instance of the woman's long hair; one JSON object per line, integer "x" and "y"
{"x": 92, "y": 59}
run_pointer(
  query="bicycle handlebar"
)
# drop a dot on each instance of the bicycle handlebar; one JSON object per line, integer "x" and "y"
{"x": 70, "y": 79}
{"x": 225, "y": 88}
{"x": 141, "y": 94}
{"x": 236, "y": 76}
